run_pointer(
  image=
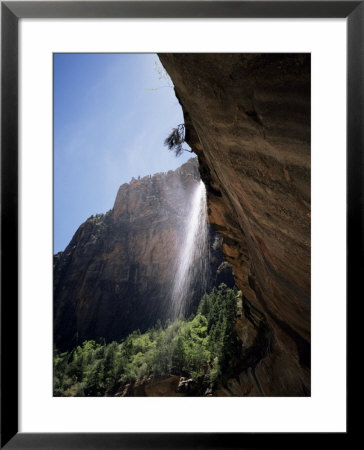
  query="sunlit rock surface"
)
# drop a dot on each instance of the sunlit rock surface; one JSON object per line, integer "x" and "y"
{"x": 116, "y": 274}
{"x": 248, "y": 119}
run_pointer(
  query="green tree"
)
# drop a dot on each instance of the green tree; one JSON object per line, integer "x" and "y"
{"x": 205, "y": 344}
{"x": 175, "y": 140}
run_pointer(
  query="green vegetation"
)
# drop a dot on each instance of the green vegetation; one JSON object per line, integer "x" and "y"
{"x": 175, "y": 140}
{"x": 202, "y": 347}
{"x": 162, "y": 76}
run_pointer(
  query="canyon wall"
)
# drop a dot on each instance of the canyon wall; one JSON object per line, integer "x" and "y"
{"x": 116, "y": 274}
{"x": 247, "y": 117}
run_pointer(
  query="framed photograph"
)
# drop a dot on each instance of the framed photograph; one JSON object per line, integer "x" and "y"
{"x": 181, "y": 187}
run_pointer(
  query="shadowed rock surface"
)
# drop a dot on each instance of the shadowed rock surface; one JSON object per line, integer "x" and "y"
{"x": 247, "y": 118}
{"x": 116, "y": 274}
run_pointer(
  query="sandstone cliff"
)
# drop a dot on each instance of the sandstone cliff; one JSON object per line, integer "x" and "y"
{"x": 247, "y": 118}
{"x": 115, "y": 275}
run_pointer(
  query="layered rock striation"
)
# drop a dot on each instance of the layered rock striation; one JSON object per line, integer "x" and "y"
{"x": 116, "y": 274}
{"x": 247, "y": 117}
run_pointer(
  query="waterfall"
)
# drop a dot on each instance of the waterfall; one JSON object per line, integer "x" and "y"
{"x": 192, "y": 265}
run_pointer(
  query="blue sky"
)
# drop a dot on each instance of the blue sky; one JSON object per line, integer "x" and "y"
{"x": 112, "y": 113}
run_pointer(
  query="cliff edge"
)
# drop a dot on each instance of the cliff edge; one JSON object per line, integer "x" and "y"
{"x": 247, "y": 117}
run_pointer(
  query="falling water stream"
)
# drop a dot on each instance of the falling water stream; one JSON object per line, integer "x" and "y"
{"x": 192, "y": 264}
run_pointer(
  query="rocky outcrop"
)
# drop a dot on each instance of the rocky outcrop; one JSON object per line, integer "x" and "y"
{"x": 247, "y": 117}
{"x": 115, "y": 276}
{"x": 162, "y": 386}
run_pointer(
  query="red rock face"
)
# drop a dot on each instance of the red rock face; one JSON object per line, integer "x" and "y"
{"x": 115, "y": 276}
{"x": 247, "y": 118}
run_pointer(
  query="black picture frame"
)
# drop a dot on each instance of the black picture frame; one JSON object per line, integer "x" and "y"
{"x": 11, "y": 12}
